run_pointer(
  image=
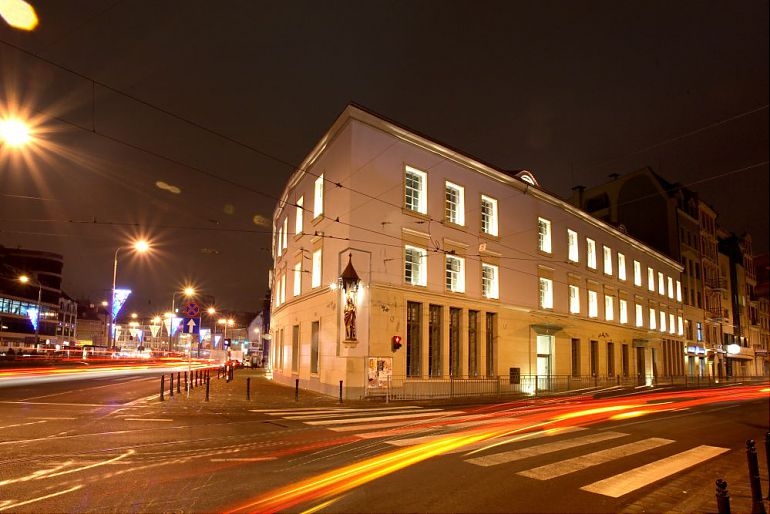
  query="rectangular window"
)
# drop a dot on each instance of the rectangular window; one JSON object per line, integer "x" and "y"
{"x": 315, "y": 280}
{"x": 639, "y": 315}
{"x": 415, "y": 266}
{"x": 455, "y": 204}
{"x": 455, "y": 274}
{"x": 650, "y": 279}
{"x": 416, "y": 190}
{"x": 670, "y": 288}
{"x": 546, "y": 293}
{"x": 298, "y": 225}
{"x": 473, "y": 343}
{"x": 315, "y": 330}
{"x": 678, "y": 291}
{"x": 454, "y": 341}
{"x": 318, "y": 197}
{"x": 279, "y": 242}
{"x": 491, "y": 334}
{"x": 298, "y": 278}
{"x": 637, "y": 273}
{"x": 594, "y": 358}
{"x": 680, "y": 325}
{"x": 413, "y": 338}
{"x": 573, "y": 251}
{"x": 574, "y": 299}
{"x": 575, "y": 357}
{"x": 624, "y": 359}
{"x": 623, "y": 311}
{"x": 593, "y": 304}
{"x": 609, "y": 307}
{"x": 662, "y": 321}
{"x": 488, "y": 215}
{"x": 699, "y": 331}
{"x": 285, "y": 232}
{"x": 661, "y": 284}
{"x": 435, "y": 340}
{"x": 621, "y": 267}
{"x": 610, "y": 359}
{"x": 544, "y": 235}
{"x": 591, "y": 253}
{"x": 283, "y": 289}
{"x": 295, "y": 349}
{"x": 607, "y": 260}
{"x": 671, "y": 323}
{"x": 489, "y": 281}
{"x": 653, "y": 319}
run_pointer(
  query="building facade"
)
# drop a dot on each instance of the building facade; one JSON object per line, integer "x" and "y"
{"x": 395, "y": 255}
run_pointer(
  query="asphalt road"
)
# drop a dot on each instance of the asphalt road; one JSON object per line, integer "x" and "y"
{"x": 109, "y": 444}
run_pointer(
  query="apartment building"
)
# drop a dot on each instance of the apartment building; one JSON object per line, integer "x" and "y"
{"x": 396, "y": 254}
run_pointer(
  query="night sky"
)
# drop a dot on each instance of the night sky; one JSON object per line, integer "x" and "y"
{"x": 182, "y": 120}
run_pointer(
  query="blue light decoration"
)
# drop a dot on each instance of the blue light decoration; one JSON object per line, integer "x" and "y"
{"x": 118, "y": 300}
{"x": 34, "y": 316}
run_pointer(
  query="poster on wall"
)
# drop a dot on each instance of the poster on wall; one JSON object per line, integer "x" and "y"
{"x": 379, "y": 371}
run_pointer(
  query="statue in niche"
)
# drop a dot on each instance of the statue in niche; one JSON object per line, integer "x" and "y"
{"x": 350, "y": 318}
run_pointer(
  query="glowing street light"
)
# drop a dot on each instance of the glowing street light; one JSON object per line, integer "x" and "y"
{"x": 18, "y": 14}
{"x": 140, "y": 246}
{"x": 14, "y": 132}
{"x": 24, "y": 279}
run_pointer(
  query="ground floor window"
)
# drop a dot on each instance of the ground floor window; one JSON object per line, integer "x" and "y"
{"x": 473, "y": 343}
{"x": 314, "y": 333}
{"x": 435, "y": 340}
{"x": 491, "y": 332}
{"x": 454, "y": 341}
{"x": 575, "y": 357}
{"x": 413, "y": 338}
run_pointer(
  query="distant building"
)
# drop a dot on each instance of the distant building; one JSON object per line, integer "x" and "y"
{"x": 717, "y": 267}
{"x": 19, "y": 302}
{"x": 384, "y": 237}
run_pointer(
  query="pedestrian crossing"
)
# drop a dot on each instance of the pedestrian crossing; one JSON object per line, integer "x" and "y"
{"x": 405, "y": 426}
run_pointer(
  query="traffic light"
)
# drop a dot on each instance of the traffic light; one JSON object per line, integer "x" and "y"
{"x": 228, "y": 341}
{"x": 396, "y": 343}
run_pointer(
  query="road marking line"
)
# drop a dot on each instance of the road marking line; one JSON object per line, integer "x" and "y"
{"x": 629, "y": 481}
{"x": 243, "y": 459}
{"x": 147, "y": 419}
{"x": 423, "y": 414}
{"x": 373, "y": 426}
{"x": 534, "y": 451}
{"x": 39, "y": 498}
{"x": 332, "y": 410}
{"x": 340, "y": 415}
{"x": 568, "y": 466}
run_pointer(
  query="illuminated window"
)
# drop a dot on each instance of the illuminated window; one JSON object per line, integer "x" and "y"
{"x": 662, "y": 321}
{"x": 298, "y": 278}
{"x": 607, "y": 260}
{"x": 283, "y": 289}
{"x": 609, "y": 307}
{"x": 661, "y": 284}
{"x": 546, "y": 293}
{"x": 415, "y": 265}
{"x": 285, "y": 233}
{"x": 455, "y": 204}
{"x": 316, "y": 274}
{"x": 680, "y": 325}
{"x": 488, "y": 215}
{"x": 621, "y": 266}
{"x": 573, "y": 252}
{"x": 455, "y": 274}
{"x": 671, "y": 323}
{"x": 416, "y": 190}
{"x": 650, "y": 279}
{"x": 670, "y": 287}
{"x": 279, "y": 243}
{"x": 623, "y": 311}
{"x": 574, "y": 299}
{"x": 544, "y": 235}
{"x": 593, "y": 304}
{"x": 653, "y": 319}
{"x": 699, "y": 331}
{"x": 489, "y": 281}
{"x": 678, "y": 291}
{"x": 637, "y": 273}
{"x": 591, "y": 253}
{"x": 318, "y": 197}
{"x": 639, "y": 315}
{"x": 298, "y": 226}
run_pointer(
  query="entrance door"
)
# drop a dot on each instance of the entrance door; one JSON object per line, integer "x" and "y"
{"x": 641, "y": 372}
{"x": 544, "y": 343}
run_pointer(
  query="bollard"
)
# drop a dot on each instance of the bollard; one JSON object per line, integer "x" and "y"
{"x": 248, "y": 388}
{"x": 340, "y": 391}
{"x": 162, "y": 379}
{"x": 767, "y": 457}
{"x": 185, "y": 381}
{"x": 208, "y": 386}
{"x": 171, "y": 386}
{"x": 178, "y": 382}
{"x": 296, "y": 390}
{"x": 723, "y": 497}
{"x": 757, "y": 505}
{"x": 232, "y": 373}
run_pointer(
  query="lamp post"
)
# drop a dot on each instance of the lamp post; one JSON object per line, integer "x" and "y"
{"x": 24, "y": 279}
{"x": 187, "y": 292}
{"x": 140, "y": 246}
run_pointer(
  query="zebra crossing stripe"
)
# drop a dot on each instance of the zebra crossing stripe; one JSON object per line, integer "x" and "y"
{"x": 352, "y": 415}
{"x": 629, "y": 481}
{"x": 421, "y": 414}
{"x": 567, "y": 466}
{"x": 542, "y": 449}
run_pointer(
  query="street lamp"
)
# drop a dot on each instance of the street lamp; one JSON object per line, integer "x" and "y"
{"x": 140, "y": 246}
{"x": 24, "y": 279}
{"x": 14, "y": 132}
{"x": 187, "y": 292}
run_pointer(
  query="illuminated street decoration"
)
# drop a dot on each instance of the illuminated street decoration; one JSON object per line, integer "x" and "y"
{"x": 118, "y": 300}
{"x": 34, "y": 316}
